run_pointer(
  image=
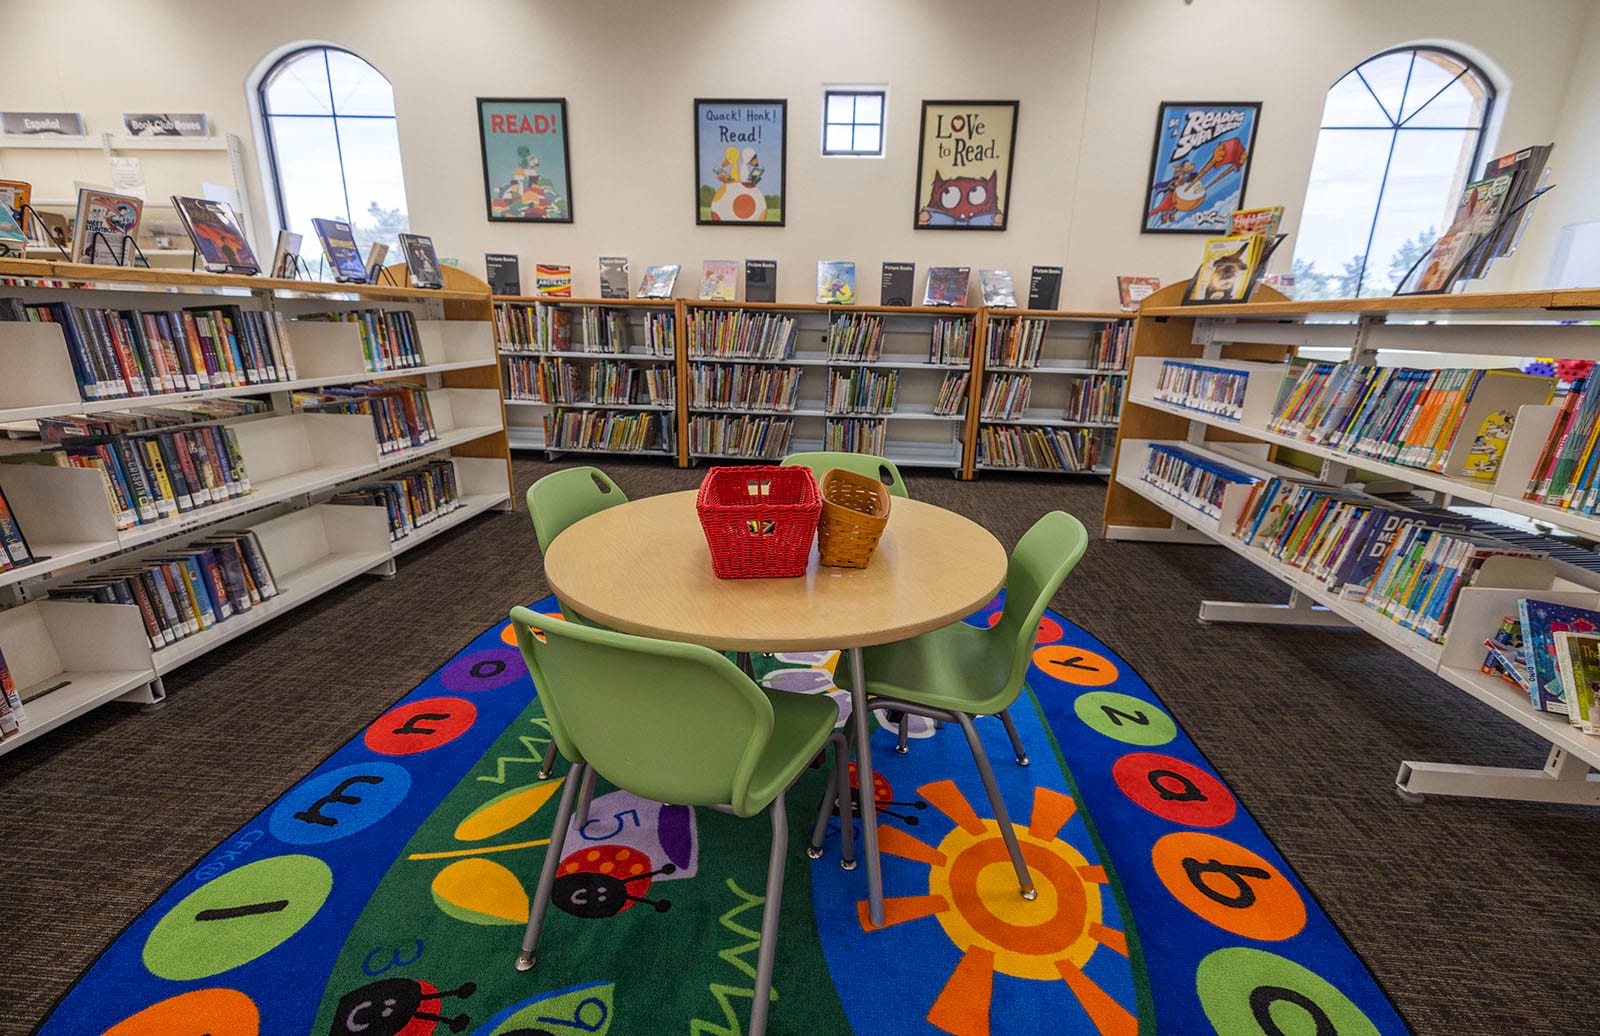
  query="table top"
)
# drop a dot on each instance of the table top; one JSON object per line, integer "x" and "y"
{"x": 643, "y": 567}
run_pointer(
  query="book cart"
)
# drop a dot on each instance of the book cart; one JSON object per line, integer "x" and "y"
{"x": 68, "y": 657}
{"x": 1471, "y": 330}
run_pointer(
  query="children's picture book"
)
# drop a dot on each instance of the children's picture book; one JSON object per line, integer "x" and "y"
{"x": 761, "y": 280}
{"x": 503, "y": 272}
{"x": 1455, "y": 256}
{"x": 106, "y": 224}
{"x": 719, "y": 280}
{"x": 339, "y": 245}
{"x": 947, "y": 286}
{"x": 1133, "y": 290}
{"x": 1199, "y": 166}
{"x": 11, "y": 235}
{"x": 1044, "y": 287}
{"x": 1578, "y": 665}
{"x": 16, "y": 195}
{"x": 1489, "y": 445}
{"x": 613, "y": 277}
{"x": 658, "y": 281}
{"x": 1263, "y": 221}
{"x": 1541, "y": 621}
{"x": 1505, "y": 658}
{"x": 376, "y": 254}
{"x": 286, "y": 254}
{"x": 899, "y": 282}
{"x": 552, "y": 280}
{"x": 421, "y": 261}
{"x": 998, "y": 291}
{"x": 1227, "y": 268}
{"x": 836, "y": 282}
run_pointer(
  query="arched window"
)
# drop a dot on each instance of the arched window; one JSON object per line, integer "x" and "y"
{"x": 1401, "y": 134}
{"x": 330, "y": 131}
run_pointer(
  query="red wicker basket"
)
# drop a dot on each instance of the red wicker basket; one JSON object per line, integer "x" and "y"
{"x": 759, "y": 520}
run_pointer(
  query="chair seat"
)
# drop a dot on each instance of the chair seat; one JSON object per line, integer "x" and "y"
{"x": 801, "y": 725}
{"x": 959, "y": 667}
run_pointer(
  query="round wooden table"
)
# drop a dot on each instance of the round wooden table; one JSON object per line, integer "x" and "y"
{"x": 643, "y": 567}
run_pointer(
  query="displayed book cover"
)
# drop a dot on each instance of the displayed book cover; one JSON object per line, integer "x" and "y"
{"x": 1541, "y": 621}
{"x": 1133, "y": 290}
{"x": 613, "y": 277}
{"x": 11, "y": 235}
{"x": 658, "y": 281}
{"x": 1455, "y": 256}
{"x": 16, "y": 195}
{"x": 1044, "y": 287}
{"x": 552, "y": 280}
{"x": 997, "y": 289}
{"x": 761, "y": 280}
{"x": 286, "y": 253}
{"x": 836, "y": 282}
{"x": 421, "y": 261}
{"x": 1526, "y": 168}
{"x": 376, "y": 254}
{"x": 1489, "y": 445}
{"x": 1578, "y": 665}
{"x": 1263, "y": 221}
{"x": 216, "y": 234}
{"x": 14, "y": 550}
{"x": 719, "y": 280}
{"x": 1227, "y": 267}
{"x": 899, "y": 284}
{"x": 1505, "y": 658}
{"x": 947, "y": 286}
{"x": 504, "y": 273}
{"x": 339, "y": 245}
{"x": 106, "y": 223}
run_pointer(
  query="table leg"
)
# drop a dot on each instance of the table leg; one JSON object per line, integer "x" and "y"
{"x": 860, "y": 715}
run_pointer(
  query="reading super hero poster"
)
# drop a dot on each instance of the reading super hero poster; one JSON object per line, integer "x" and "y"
{"x": 526, "y": 164}
{"x": 1200, "y": 166}
{"x": 740, "y": 154}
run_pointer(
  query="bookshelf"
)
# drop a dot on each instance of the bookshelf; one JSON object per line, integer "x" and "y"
{"x": 296, "y": 460}
{"x": 1459, "y": 331}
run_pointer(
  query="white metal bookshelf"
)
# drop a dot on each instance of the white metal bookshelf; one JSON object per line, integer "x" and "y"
{"x": 295, "y": 461}
{"x": 1469, "y": 330}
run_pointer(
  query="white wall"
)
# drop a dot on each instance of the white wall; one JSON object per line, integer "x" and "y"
{"x": 1089, "y": 75}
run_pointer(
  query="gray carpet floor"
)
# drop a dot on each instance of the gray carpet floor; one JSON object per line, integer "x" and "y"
{"x": 1480, "y": 918}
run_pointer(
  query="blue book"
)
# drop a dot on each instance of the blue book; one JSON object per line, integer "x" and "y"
{"x": 1541, "y": 621}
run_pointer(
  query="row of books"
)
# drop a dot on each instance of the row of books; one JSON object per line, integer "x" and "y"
{"x": 619, "y": 431}
{"x": 765, "y": 438}
{"x": 118, "y": 354}
{"x": 57, "y": 430}
{"x": 12, "y": 712}
{"x": 1005, "y": 395}
{"x": 1191, "y": 477}
{"x": 14, "y": 550}
{"x": 1565, "y": 475}
{"x": 154, "y": 476}
{"x": 1014, "y": 342}
{"x": 1049, "y": 449}
{"x": 412, "y": 499}
{"x": 188, "y": 591}
{"x": 853, "y": 435}
{"x": 1199, "y": 386}
{"x": 952, "y": 393}
{"x": 561, "y": 381}
{"x": 743, "y": 386}
{"x": 1094, "y": 398}
{"x": 545, "y": 327}
{"x": 855, "y": 336}
{"x": 388, "y": 337}
{"x": 951, "y": 340}
{"x": 401, "y": 416}
{"x": 1550, "y": 651}
{"x": 1110, "y": 347}
{"x": 862, "y": 390}
{"x": 741, "y": 333}
{"x": 533, "y": 327}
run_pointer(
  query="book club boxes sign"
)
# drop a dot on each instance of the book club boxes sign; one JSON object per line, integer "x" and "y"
{"x": 740, "y": 152}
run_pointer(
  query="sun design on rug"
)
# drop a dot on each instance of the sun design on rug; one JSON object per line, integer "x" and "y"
{"x": 972, "y": 893}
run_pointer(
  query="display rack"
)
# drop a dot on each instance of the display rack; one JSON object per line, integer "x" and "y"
{"x": 1437, "y": 331}
{"x": 295, "y": 461}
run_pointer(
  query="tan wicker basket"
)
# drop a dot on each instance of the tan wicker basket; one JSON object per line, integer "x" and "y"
{"x": 855, "y": 508}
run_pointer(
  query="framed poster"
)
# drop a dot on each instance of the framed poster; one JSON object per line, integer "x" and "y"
{"x": 1199, "y": 166}
{"x": 527, "y": 165}
{"x": 964, "y": 165}
{"x": 741, "y": 153}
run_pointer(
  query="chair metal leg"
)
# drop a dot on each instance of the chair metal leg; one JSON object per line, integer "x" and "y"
{"x": 905, "y": 733}
{"x": 837, "y": 799}
{"x": 585, "y": 797}
{"x": 548, "y": 768}
{"x": 547, "y": 875}
{"x": 1016, "y": 742}
{"x": 819, "y": 830}
{"x": 768, "y": 951}
{"x": 1000, "y": 815}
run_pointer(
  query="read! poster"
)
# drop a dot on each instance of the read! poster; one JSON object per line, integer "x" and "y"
{"x": 1200, "y": 165}
{"x": 526, "y": 170}
{"x": 740, "y": 148}
{"x": 964, "y": 165}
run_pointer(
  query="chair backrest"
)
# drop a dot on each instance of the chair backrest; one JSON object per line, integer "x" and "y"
{"x": 564, "y": 497}
{"x": 880, "y": 468}
{"x": 1043, "y": 558}
{"x": 667, "y": 721}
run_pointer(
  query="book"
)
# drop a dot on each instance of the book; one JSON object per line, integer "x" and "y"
{"x": 1044, "y": 287}
{"x": 719, "y": 280}
{"x": 339, "y": 246}
{"x": 899, "y": 282}
{"x": 613, "y": 277}
{"x": 1541, "y": 621}
{"x": 1578, "y": 666}
{"x": 947, "y": 286}
{"x": 658, "y": 281}
{"x": 12, "y": 712}
{"x": 421, "y": 261}
{"x": 376, "y": 254}
{"x": 1133, "y": 290}
{"x": 286, "y": 254}
{"x": 836, "y": 282}
{"x": 1262, "y": 222}
{"x": 552, "y": 281}
{"x": 15, "y": 197}
{"x": 1526, "y": 168}
{"x": 1505, "y": 658}
{"x": 11, "y": 233}
{"x": 105, "y": 226}
{"x": 1489, "y": 445}
{"x": 1457, "y": 255}
{"x": 997, "y": 289}
{"x": 217, "y": 236}
{"x": 14, "y": 551}
{"x": 761, "y": 280}
{"x": 1227, "y": 268}
{"x": 503, "y": 272}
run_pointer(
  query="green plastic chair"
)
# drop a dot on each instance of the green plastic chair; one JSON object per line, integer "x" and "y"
{"x": 677, "y": 723}
{"x": 880, "y": 468}
{"x": 961, "y": 671}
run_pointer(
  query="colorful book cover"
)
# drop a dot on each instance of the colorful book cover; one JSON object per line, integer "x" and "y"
{"x": 422, "y": 263}
{"x": 1541, "y": 621}
{"x": 613, "y": 277}
{"x": 1578, "y": 662}
{"x": 658, "y": 281}
{"x": 106, "y": 224}
{"x": 11, "y": 234}
{"x": 1044, "y": 287}
{"x": 15, "y": 195}
{"x": 899, "y": 282}
{"x": 1227, "y": 267}
{"x": 503, "y": 272}
{"x": 997, "y": 289}
{"x": 1262, "y": 222}
{"x": 1133, "y": 290}
{"x": 1477, "y": 217}
{"x": 1489, "y": 445}
{"x": 836, "y": 282}
{"x": 339, "y": 245}
{"x": 552, "y": 280}
{"x": 947, "y": 286}
{"x": 719, "y": 280}
{"x": 761, "y": 280}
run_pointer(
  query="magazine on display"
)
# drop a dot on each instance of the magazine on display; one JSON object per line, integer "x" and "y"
{"x": 218, "y": 238}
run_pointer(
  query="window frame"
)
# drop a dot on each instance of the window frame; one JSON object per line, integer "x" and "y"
{"x": 854, "y": 91}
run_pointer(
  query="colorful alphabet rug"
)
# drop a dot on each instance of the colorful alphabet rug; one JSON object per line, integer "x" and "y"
{"x": 386, "y": 893}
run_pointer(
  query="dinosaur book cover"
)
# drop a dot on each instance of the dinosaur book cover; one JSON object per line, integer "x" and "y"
{"x": 1200, "y": 166}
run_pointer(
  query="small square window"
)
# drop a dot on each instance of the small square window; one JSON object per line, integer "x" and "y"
{"x": 852, "y": 122}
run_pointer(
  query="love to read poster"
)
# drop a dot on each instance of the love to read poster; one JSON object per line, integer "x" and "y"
{"x": 964, "y": 165}
{"x": 526, "y": 166}
{"x": 740, "y": 150}
{"x": 1199, "y": 167}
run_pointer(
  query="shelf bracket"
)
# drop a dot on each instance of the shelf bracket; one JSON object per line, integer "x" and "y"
{"x": 1177, "y": 532}
{"x": 1565, "y": 780}
{"x": 1300, "y": 611}
{"x": 151, "y": 695}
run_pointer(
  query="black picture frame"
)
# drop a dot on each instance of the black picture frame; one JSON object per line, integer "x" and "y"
{"x": 489, "y": 191}
{"x": 917, "y": 221}
{"x": 704, "y": 215}
{"x": 1147, "y": 213}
